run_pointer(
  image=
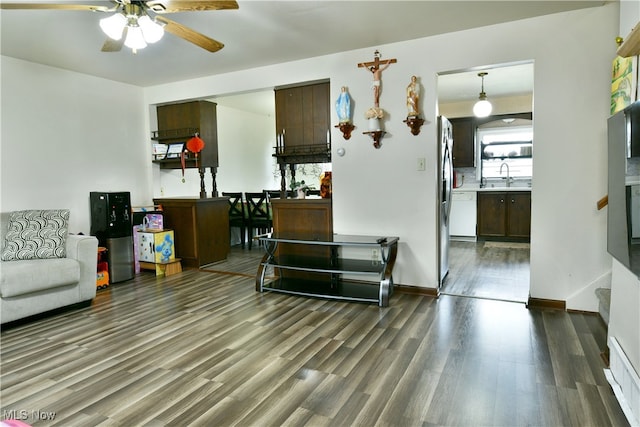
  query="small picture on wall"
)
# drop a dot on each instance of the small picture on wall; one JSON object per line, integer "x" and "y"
{"x": 159, "y": 151}
{"x": 624, "y": 83}
{"x": 174, "y": 151}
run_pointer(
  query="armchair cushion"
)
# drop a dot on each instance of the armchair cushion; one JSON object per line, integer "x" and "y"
{"x": 36, "y": 234}
{"x": 19, "y": 278}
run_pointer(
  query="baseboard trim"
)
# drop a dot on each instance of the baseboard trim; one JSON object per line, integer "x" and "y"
{"x": 416, "y": 290}
{"x": 586, "y": 313}
{"x": 546, "y": 304}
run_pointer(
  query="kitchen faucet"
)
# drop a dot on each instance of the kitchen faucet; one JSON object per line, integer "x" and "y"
{"x": 508, "y": 177}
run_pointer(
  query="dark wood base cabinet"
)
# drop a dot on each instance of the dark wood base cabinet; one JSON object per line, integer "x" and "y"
{"x": 201, "y": 228}
{"x": 504, "y": 215}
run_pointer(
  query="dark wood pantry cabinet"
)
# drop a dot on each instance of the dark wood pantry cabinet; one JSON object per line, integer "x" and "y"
{"x": 303, "y": 124}
{"x": 504, "y": 215}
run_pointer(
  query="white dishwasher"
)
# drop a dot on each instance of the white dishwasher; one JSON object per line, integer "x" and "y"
{"x": 463, "y": 214}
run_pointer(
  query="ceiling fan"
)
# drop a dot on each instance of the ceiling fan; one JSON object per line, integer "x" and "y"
{"x": 134, "y": 23}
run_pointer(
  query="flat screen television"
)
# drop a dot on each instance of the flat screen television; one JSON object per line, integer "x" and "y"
{"x": 623, "y": 218}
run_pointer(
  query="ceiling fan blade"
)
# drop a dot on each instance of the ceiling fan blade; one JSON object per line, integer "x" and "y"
{"x": 190, "y": 35}
{"x": 171, "y": 6}
{"x": 53, "y": 6}
{"x": 111, "y": 45}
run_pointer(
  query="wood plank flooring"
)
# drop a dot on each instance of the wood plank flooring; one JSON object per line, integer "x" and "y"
{"x": 494, "y": 270}
{"x": 204, "y": 349}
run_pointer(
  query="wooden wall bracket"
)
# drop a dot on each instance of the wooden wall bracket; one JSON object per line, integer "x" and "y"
{"x": 376, "y": 136}
{"x": 414, "y": 124}
{"x": 602, "y": 202}
{"x": 346, "y": 129}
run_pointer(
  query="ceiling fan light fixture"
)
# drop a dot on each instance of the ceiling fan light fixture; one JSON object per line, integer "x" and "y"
{"x": 113, "y": 25}
{"x": 483, "y": 107}
{"x": 135, "y": 39}
{"x": 151, "y": 30}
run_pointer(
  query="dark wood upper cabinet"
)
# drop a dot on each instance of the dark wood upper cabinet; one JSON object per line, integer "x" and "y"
{"x": 463, "y": 142}
{"x": 303, "y": 123}
{"x": 177, "y": 123}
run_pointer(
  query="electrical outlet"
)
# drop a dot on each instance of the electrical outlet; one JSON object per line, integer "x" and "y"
{"x": 375, "y": 255}
{"x": 421, "y": 163}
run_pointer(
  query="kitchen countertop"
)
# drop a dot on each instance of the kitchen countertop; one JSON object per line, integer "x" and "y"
{"x": 515, "y": 186}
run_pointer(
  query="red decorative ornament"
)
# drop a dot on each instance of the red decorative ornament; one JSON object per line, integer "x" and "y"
{"x": 195, "y": 145}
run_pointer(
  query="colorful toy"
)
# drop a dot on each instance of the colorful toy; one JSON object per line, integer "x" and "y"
{"x": 102, "y": 279}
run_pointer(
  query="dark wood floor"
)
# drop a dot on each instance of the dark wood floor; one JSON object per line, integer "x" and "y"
{"x": 203, "y": 348}
{"x": 494, "y": 270}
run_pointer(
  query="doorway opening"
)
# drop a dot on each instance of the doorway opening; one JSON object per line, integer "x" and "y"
{"x": 497, "y": 266}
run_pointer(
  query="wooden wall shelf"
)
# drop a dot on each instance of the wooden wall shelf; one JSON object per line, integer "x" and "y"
{"x": 631, "y": 44}
{"x": 297, "y": 154}
{"x": 376, "y": 136}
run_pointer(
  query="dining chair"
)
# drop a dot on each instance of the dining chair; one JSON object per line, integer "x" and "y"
{"x": 259, "y": 215}
{"x": 237, "y": 214}
{"x": 272, "y": 194}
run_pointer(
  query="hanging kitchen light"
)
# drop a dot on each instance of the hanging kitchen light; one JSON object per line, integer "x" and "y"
{"x": 483, "y": 107}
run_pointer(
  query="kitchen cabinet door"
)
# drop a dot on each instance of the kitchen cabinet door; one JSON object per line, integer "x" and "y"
{"x": 519, "y": 215}
{"x": 463, "y": 142}
{"x": 504, "y": 214}
{"x": 492, "y": 214}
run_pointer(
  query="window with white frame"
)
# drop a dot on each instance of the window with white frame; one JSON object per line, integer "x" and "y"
{"x": 505, "y": 150}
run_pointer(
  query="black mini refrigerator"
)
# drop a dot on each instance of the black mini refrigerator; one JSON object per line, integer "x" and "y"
{"x": 111, "y": 224}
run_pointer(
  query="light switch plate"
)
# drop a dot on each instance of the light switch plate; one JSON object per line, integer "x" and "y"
{"x": 421, "y": 163}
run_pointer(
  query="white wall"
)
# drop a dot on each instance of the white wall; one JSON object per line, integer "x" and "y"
{"x": 502, "y": 105}
{"x": 65, "y": 134}
{"x": 381, "y": 192}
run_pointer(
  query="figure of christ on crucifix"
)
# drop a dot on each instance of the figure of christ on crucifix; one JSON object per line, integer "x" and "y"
{"x": 376, "y": 70}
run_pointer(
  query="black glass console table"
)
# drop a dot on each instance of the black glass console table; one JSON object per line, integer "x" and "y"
{"x": 314, "y": 266}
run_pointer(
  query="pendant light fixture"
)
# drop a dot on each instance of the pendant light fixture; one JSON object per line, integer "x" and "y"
{"x": 482, "y": 108}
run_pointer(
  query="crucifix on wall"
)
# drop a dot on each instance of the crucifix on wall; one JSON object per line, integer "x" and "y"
{"x": 376, "y": 67}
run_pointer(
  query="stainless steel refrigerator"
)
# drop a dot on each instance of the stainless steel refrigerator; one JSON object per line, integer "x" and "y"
{"x": 445, "y": 187}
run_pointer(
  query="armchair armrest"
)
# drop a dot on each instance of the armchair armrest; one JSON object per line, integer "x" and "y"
{"x": 84, "y": 249}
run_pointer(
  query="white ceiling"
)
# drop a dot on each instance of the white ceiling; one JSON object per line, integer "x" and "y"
{"x": 258, "y": 33}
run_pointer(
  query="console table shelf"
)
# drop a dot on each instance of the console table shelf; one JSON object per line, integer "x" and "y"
{"x": 321, "y": 276}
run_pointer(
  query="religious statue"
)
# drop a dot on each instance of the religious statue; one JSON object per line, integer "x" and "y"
{"x": 343, "y": 106}
{"x": 376, "y": 70}
{"x": 375, "y": 113}
{"x": 413, "y": 96}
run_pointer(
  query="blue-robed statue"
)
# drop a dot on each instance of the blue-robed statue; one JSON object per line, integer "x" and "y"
{"x": 343, "y": 106}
